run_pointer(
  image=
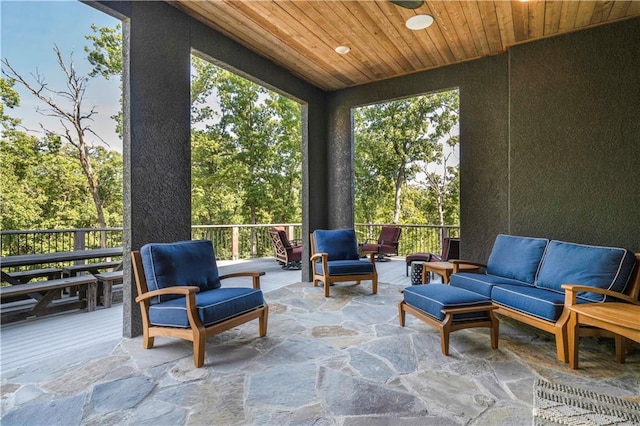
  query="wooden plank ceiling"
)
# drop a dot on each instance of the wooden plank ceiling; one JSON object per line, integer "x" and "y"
{"x": 301, "y": 36}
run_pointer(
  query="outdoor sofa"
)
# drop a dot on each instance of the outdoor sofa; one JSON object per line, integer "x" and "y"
{"x": 524, "y": 278}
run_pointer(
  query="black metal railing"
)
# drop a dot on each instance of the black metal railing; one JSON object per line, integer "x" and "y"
{"x": 231, "y": 242}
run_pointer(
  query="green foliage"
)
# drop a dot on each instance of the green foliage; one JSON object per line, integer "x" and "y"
{"x": 395, "y": 143}
{"x": 42, "y": 184}
{"x": 246, "y": 157}
{"x": 106, "y": 53}
{"x": 106, "y": 57}
{"x": 250, "y": 152}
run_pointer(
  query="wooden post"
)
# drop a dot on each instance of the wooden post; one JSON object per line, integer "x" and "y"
{"x": 79, "y": 237}
{"x": 235, "y": 245}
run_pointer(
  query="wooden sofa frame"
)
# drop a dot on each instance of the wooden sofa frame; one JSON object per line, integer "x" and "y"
{"x": 560, "y": 328}
{"x": 197, "y": 332}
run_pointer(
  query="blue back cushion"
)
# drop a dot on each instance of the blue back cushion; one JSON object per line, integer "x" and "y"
{"x": 183, "y": 263}
{"x": 517, "y": 258}
{"x": 569, "y": 263}
{"x": 339, "y": 244}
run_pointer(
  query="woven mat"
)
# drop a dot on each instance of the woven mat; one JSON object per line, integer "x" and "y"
{"x": 556, "y": 404}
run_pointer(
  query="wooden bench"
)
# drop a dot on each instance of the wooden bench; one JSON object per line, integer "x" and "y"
{"x": 92, "y": 268}
{"x": 23, "y": 277}
{"x": 106, "y": 281}
{"x": 45, "y": 291}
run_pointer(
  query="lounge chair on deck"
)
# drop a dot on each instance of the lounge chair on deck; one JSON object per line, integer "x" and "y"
{"x": 287, "y": 253}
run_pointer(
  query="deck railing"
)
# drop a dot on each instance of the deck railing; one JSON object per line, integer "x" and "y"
{"x": 232, "y": 242}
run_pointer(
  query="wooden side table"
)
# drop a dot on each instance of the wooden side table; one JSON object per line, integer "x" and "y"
{"x": 444, "y": 269}
{"x": 623, "y": 319}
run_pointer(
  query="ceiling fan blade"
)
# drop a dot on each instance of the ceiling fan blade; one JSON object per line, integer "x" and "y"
{"x": 408, "y": 4}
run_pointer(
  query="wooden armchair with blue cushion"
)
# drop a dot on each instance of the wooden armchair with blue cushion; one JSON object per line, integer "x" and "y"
{"x": 335, "y": 258}
{"x": 180, "y": 294}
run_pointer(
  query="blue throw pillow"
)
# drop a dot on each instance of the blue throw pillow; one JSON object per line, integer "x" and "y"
{"x": 184, "y": 263}
{"x": 568, "y": 263}
{"x": 517, "y": 258}
{"x": 339, "y": 244}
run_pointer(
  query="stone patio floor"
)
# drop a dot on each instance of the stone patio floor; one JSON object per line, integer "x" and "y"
{"x": 342, "y": 360}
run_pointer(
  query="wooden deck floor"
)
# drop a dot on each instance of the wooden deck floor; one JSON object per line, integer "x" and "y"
{"x": 37, "y": 339}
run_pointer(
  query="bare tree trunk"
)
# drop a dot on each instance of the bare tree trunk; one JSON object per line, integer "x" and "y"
{"x": 71, "y": 118}
{"x": 397, "y": 207}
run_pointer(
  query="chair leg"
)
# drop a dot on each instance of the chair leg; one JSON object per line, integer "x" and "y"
{"x": 495, "y": 330}
{"x": 444, "y": 333}
{"x": 262, "y": 322}
{"x": 561, "y": 343}
{"x": 374, "y": 285}
{"x": 621, "y": 348}
{"x": 147, "y": 340}
{"x": 326, "y": 287}
{"x": 401, "y": 313}
{"x": 199, "y": 340}
{"x": 573, "y": 334}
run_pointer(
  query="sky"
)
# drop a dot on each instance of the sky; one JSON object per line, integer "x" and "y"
{"x": 28, "y": 32}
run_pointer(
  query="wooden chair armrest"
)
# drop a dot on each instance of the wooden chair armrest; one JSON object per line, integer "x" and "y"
{"x": 254, "y": 274}
{"x": 457, "y": 262}
{"x": 571, "y": 291}
{"x": 372, "y": 257}
{"x": 242, "y": 274}
{"x": 319, "y": 256}
{"x": 183, "y": 290}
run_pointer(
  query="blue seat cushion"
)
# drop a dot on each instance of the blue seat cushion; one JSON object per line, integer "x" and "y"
{"x": 346, "y": 267}
{"x": 541, "y": 303}
{"x": 570, "y": 263}
{"x": 339, "y": 244}
{"x": 516, "y": 258}
{"x": 432, "y": 298}
{"x": 184, "y": 263}
{"x": 480, "y": 283}
{"x": 213, "y": 306}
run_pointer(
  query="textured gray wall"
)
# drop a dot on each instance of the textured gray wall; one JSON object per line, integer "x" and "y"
{"x": 575, "y": 136}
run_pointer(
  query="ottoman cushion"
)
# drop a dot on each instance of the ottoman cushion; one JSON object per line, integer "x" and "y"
{"x": 433, "y": 298}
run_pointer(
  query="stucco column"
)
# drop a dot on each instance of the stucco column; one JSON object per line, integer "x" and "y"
{"x": 157, "y": 150}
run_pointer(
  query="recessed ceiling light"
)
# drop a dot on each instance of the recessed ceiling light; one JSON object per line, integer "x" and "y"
{"x": 343, "y": 50}
{"x": 419, "y": 22}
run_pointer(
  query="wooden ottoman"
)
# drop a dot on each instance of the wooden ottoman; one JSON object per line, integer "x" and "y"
{"x": 449, "y": 309}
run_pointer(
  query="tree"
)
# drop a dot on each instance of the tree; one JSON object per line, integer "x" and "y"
{"x": 394, "y": 143}
{"x": 43, "y": 185}
{"x": 66, "y": 105}
{"x": 106, "y": 58}
{"x": 234, "y": 144}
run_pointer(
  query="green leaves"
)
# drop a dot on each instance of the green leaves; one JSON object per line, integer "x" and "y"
{"x": 249, "y": 153}
{"x": 396, "y": 142}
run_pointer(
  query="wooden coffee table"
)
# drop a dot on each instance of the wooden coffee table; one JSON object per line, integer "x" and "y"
{"x": 444, "y": 269}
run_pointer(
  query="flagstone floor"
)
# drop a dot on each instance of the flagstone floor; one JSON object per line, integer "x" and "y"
{"x": 342, "y": 360}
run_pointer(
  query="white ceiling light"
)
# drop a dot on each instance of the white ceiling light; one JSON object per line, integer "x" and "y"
{"x": 419, "y": 22}
{"x": 343, "y": 50}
